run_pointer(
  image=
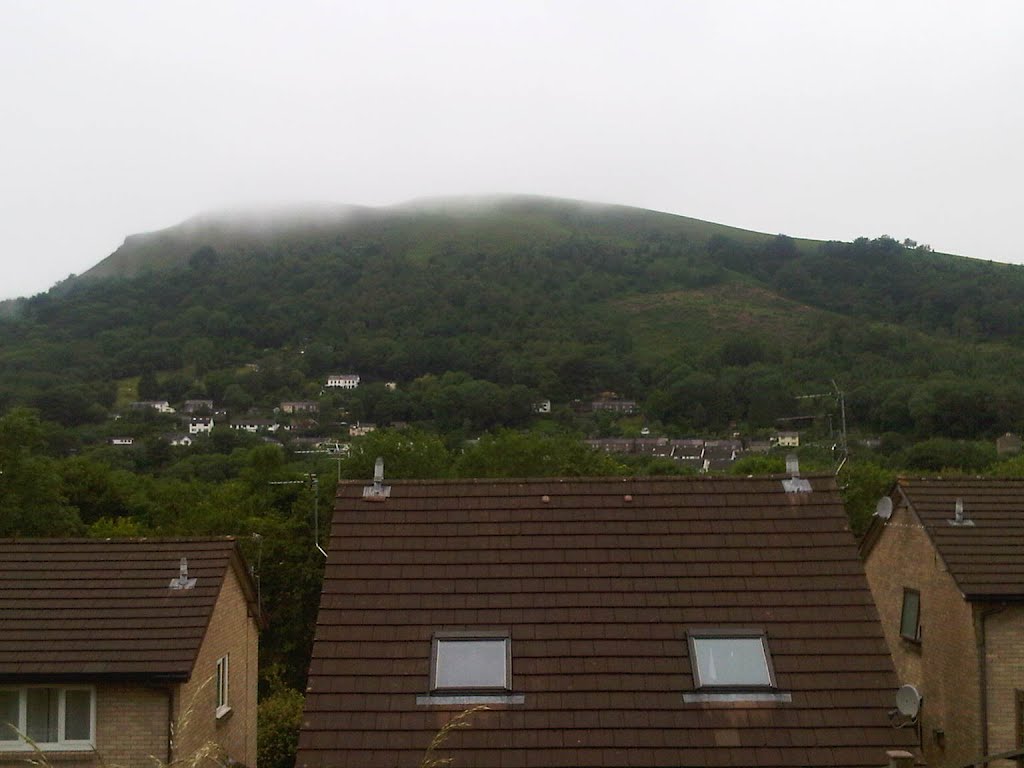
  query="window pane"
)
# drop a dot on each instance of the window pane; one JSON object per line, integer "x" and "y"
{"x": 470, "y": 663}
{"x": 77, "y": 715}
{"x": 222, "y": 681}
{"x": 909, "y": 619}
{"x": 731, "y": 661}
{"x": 9, "y": 715}
{"x": 41, "y": 719}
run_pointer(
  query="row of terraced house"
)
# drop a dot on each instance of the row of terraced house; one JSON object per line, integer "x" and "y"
{"x": 663, "y": 621}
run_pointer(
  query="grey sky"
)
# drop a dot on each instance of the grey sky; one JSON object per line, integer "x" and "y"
{"x": 817, "y": 119}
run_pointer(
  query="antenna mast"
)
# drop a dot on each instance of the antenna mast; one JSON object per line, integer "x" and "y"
{"x": 840, "y": 398}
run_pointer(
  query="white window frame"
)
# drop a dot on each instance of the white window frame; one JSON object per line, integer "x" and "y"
{"x": 222, "y": 681}
{"x": 495, "y": 637}
{"x": 62, "y": 744}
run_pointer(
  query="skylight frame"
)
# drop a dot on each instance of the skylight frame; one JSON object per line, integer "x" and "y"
{"x": 439, "y": 686}
{"x": 697, "y": 635}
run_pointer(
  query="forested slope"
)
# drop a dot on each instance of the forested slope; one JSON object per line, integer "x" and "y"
{"x": 703, "y": 324}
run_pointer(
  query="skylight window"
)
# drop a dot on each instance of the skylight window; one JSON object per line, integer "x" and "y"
{"x": 730, "y": 660}
{"x": 471, "y": 662}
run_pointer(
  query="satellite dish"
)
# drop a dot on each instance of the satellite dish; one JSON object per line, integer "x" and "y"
{"x": 883, "y": 508}
{"x": 908, "y": 701}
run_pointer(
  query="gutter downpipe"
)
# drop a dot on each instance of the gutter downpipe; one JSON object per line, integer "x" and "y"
{"x": 983, "y": 614}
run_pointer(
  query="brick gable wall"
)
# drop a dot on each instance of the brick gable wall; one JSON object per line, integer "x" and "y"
{"x": 231, "y": 631}
{"x": 944, "y": 667}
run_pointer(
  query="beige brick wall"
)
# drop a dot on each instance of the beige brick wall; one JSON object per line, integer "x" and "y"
{"x": 233, "y": 632}
{"x": 1004, "y": 658}
{"x": 944, "y": 667}
{"x": 132, "y": 724}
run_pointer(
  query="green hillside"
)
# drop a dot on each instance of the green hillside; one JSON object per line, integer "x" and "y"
{"x": 705, "y": 325}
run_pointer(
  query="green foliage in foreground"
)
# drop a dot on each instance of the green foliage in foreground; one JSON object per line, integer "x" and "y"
{"x": 278, "y": 719}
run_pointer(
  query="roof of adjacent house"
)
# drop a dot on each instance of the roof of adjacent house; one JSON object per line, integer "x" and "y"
{"x": 598, "y": 583}
{"x": 95, "y": 608}
{"x": 986, "y": 557}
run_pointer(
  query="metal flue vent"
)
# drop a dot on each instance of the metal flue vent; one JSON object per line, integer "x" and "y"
{"x": 378, "y": 491}
{"x": 795, "y": 484}
{"x": 960, "y": 518}
{"x": 183, "y": 581}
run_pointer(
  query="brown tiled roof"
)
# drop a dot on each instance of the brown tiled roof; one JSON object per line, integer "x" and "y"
{"x": 93, "y": 608}
{"x": 598, "y": 583}
{"x": 985, "y": 559}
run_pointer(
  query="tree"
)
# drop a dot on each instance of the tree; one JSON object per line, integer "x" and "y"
{"x": 507, "y": 453}
{"x": 408, "y": 453}
{"x": 862, "y": 484}
{"x": 31, "y": 502}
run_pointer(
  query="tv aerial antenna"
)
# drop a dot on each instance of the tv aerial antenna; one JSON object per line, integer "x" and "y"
{"x": 313, "y": 482}
{"x": 840, "y": 398}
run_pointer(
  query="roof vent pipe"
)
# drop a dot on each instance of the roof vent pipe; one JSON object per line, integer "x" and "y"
{"x": 378, "y": 491}
{"x": 959, "y": 518}
{"x": 793, "y": 465}
{"x": 795, "y": 484}
{"x": 183, "y": 581}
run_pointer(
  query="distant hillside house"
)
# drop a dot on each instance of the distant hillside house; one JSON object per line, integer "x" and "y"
{"x": 788, "y": 439}
{"x": 196, "y": 406}
{"x": 300, "y": 406}
{"x": 542, "y": 406}
{"x": 178, "y": 439}
{"x": 624, "y": 407}
{"x": 343, "y": 380}
{"x": 358, "y": 430}
{"x": 160, "y": 406}
{"x": 109, "y": 644}
{"x": 123, "y": 440}
{"x": 254, "y": 425}
{"x": 1008, "y": 444}
{"x": 200, "y": 425}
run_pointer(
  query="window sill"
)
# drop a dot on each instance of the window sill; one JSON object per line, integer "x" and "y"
{"x": 911, "y": 643}
{"x": 223, "y": 711}
{"x": 53, "y": 752}
{"x": 717, "y": 697}
{"x": 447, "y": 700}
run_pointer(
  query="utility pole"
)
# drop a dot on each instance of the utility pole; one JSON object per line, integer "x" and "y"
{"x": 840, "y": 399}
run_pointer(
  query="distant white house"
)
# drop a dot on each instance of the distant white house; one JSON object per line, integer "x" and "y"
{"x": 160, "y": 406}
{"x": 788, "y": 440}
{"x": 255, "y": 425}
{"x": 122, "y": 441}
{"x": 343, "y": 380}
{"x": 542, "y": 406}
{"x": 200, "y": 425}
{"x": 176, "y": 439}
{"x": 358, "y": 430}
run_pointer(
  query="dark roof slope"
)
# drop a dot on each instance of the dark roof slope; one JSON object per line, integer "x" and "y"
{"x": 985, "y": 559}
{"x": 93, "y": 608}
{"x": 598, "y": 582}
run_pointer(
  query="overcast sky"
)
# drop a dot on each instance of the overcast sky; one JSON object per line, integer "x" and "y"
{"x": 817, "y": 119}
